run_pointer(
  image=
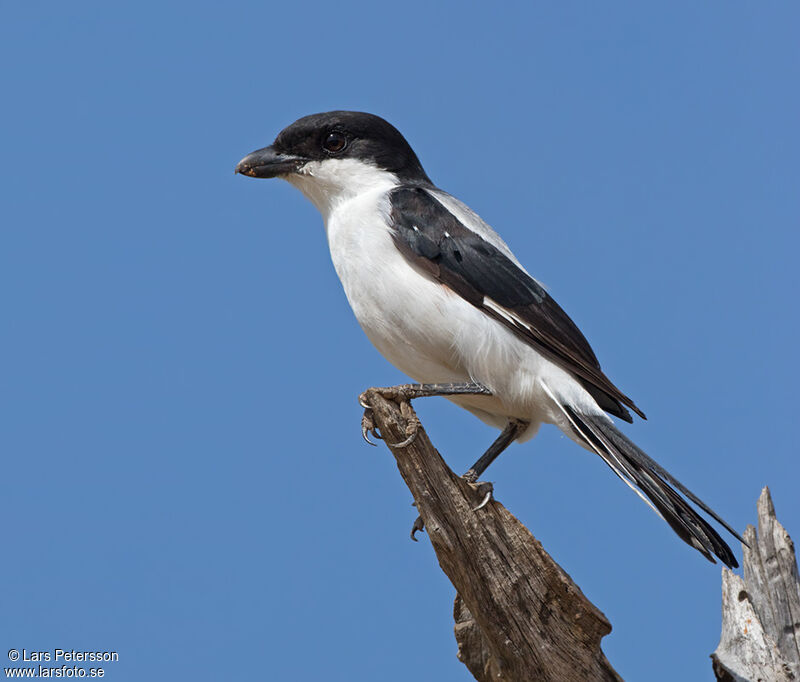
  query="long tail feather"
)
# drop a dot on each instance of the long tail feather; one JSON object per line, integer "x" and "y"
{"x": 645, "y": 475}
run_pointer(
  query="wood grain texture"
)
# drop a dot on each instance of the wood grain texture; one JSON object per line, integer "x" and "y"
{"x": 519, "y": 616}
{"x": 761, "y": 612}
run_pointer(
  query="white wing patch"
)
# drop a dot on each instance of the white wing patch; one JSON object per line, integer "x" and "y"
{"x": 507, "y": 314}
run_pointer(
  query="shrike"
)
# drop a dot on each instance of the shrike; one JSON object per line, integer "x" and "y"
{"x": 444, "y": 300}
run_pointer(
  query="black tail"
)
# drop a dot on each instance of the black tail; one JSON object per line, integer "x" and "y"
{"x": 634, "y": 466}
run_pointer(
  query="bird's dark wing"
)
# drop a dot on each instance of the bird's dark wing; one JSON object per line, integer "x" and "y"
{"x": 434, "y": 239}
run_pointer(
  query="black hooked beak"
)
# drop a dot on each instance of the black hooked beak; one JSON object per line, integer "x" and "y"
{"x": 267, "y": 163}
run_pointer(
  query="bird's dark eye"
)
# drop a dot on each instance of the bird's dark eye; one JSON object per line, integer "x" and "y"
{"x": 334, "y": 142}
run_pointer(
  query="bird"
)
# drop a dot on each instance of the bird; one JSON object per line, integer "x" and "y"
{"x": 442, "y": 297}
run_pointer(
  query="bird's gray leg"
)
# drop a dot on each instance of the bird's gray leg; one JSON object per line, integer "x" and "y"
{"x": 409, "y": 392}
{"x": 513, "y": 430}
{"x": 509, "y": 434}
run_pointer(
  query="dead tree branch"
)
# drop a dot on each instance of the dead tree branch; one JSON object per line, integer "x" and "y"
{"x": 761, "y": 614}
{"x": 519, "y": 617}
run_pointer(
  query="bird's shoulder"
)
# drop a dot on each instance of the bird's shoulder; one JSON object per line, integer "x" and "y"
{"x": 442, "y": 210}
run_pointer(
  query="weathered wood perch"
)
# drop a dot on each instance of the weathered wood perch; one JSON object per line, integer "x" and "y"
{"x": 519, "y": 617}
{"x": 761, "y": 613}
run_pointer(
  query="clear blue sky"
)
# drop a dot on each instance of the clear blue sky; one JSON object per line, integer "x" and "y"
{"x": 184, "y": 480}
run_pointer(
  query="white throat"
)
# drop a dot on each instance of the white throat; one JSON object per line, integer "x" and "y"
{"x": 332, "y": 182}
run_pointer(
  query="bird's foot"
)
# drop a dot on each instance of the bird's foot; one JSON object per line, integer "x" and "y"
{"x": 418, "y": 525}
{"x": 483, "y": 488}
{"x": 401, "y": 394}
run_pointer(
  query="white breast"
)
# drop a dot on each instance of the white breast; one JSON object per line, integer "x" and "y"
{"x": 403, "y": 312}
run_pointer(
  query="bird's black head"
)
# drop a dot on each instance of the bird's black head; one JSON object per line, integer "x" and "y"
{"x": 336, "y": 135}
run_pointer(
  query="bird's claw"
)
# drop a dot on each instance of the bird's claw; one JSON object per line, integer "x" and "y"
{"x": 418, "y": 525}
{"x": 368, "y": 427}
{"x": 412, "y": 425}
{"x": 412, "y": 428}
{"x": 487, "y": 489}
{"x": 484, "y": 502}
